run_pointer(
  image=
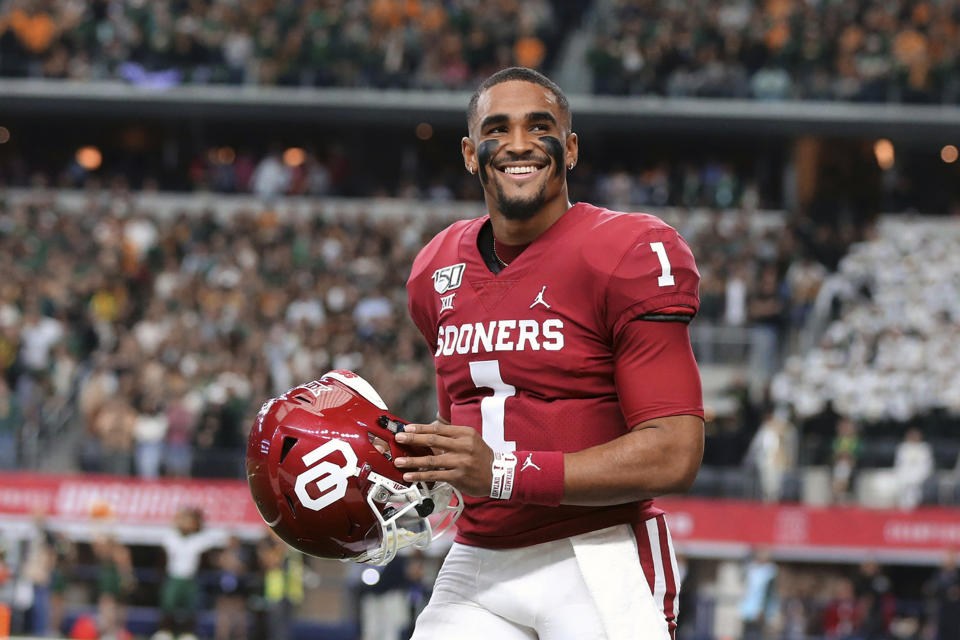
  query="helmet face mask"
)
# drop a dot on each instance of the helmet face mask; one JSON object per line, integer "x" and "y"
{"x": 320, "y": 468}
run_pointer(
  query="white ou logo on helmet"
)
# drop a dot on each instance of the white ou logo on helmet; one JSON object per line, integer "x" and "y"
{"x": 331, "y": 478}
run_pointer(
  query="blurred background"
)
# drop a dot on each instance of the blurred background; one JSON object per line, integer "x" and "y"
{"x": 204, "y": 202}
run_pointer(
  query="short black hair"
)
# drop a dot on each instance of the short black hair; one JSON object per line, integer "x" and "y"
{"x": 518, "y": 73}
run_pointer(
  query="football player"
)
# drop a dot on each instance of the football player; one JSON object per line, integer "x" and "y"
{"x": 568, "y": 393}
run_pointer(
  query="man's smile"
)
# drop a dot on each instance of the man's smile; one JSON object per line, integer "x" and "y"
{"x": 522, "y": 171}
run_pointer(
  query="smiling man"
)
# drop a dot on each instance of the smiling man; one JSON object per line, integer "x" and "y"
{"x": 567, "y": 389}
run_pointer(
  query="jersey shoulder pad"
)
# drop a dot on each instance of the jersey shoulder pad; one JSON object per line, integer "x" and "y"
{"x": 442, "y": 248}
{"x": 649, "y": 267}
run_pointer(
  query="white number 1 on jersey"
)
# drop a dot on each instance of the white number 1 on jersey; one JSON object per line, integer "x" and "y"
{"x": 665, "y": 279}
{"x": 486, "y": 373}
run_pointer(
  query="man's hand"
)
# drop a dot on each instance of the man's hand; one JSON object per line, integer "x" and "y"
{"x": 460, "y": 457}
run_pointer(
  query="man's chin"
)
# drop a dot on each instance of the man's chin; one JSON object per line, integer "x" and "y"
{"x": 520, "y": 208}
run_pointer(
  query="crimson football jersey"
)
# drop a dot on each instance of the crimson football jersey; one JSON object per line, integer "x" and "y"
{"x": 527, "y": 356}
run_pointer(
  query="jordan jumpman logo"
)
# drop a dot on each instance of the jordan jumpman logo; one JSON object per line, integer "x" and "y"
{"x": 529, "y": 463}
{"x": 539, "y": 299}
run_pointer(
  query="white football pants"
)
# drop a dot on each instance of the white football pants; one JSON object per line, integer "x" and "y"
{"x": 588, "y": 587}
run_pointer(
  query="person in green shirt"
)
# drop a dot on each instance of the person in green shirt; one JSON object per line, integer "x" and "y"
{"x": 845, "y": 451}
{"x": 115, "y": 583}
{"x": 180, "y": 593}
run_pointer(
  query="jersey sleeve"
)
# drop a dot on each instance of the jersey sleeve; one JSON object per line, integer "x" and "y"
{"x": 655, "y": 371}
{"x": 419, "y": 288}
{"x": 421, "y": 318}
{"x": 421, "y": 300}
{"x": 443, "y": 400}
{"x": 656, "y": 278}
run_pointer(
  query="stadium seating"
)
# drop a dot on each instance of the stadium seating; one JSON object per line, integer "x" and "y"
{"x": 889, "y": 53}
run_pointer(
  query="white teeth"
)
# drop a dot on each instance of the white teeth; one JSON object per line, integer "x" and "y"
{"x": 520, "y": 169}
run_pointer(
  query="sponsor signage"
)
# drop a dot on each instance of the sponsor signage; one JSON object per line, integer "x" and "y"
{"x": 791, "y": 526}
{"x": 714, "y": 524}
{"x": 125, "y": 500}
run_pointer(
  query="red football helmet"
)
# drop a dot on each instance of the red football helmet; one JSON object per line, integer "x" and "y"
{"x": 320, "y": 468}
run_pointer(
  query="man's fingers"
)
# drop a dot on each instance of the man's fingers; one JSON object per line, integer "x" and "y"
{"x": 436, "y": 475}
{"x": 427, "y": 440}
{"x": 425, "y": 462}
{"x": 439, "y": 428}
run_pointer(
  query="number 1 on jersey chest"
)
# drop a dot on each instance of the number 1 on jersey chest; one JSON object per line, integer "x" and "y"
{"x": 486, "y": 373}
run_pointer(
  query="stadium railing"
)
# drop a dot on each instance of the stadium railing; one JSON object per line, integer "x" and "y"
{"x": 447, "y": 107}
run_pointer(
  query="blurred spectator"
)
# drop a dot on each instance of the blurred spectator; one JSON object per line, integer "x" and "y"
{"x": 181, "y": 421}
{"x": 38, "y": 570}
{"x": 912, "y": 465}
{"x": 803, "y": 279}
{"x": 231, "y": 588}
{"x": 11, "y": 420}
{"x": 798, "y": 599}
{"x": 148, "y": 432}
{"x": 841, "y": 616}
{"x": 419, "y": 587}
{"x": 845, "y": 451}
{"x": 38, "y": 335}
{"x": 272, "y": 177}
{"x": 84, "y": 628}
{"x": 389, "y": 606}
{"x": 114, "y": 585}
{"x": 759, "y": 595}
{"x": 180, "y": 594}
{"x": 735, "y": 296}
{"x": 65, "y": 552}
{"x": 943, "y": 591}
{"x": 767, "y": 312}
{"x": 7, "y": 583}
{"x": 772, "y": 453}
{"x": 282, "y": 569}
{"x": 113, "y": 427}
{"x": 876, "y": 604}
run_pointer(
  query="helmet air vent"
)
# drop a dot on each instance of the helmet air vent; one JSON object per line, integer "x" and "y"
{"x": 380, "y": 445}
{"x": 288, "y": 442}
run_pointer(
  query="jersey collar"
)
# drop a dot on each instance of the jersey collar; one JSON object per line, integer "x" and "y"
{"x": 470, "y": 253}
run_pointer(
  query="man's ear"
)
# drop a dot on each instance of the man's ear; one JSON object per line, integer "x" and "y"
{"x": 571, "y": 152}
{"x": 469, "y": 151}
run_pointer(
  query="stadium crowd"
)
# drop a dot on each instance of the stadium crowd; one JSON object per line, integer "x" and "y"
{"x": 381, "y": 43}
{"x": 888, "y": 361}
{"x": 165, "y": 339}
{"x": 256, "y": 589}
{"x": 791, "y": 601}
{"x": 157, "y": 339}
{"x": 892, "y": 352}
{"x": 863, "y": 51}
{"x": 104, "y": 589}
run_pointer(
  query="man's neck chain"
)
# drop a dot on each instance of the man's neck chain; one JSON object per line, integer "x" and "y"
{"x": 497, "y": 256}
